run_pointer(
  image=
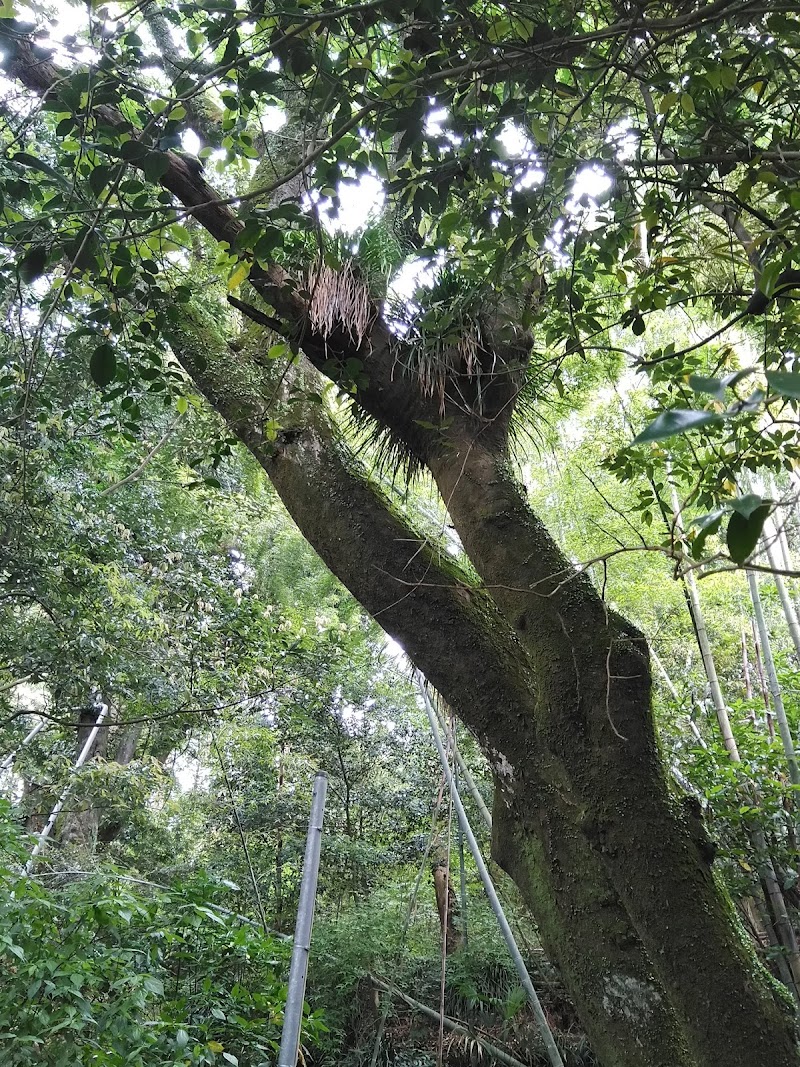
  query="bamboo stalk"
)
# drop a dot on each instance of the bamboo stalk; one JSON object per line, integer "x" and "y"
{"x": 769, "y": 541}
{"x": 772, "y": 678}
{"x": 748, "y": 684}
{"x": 674, "y": 694}
{"x": 462, "y": 874}
{"x": 783, "y": 925}
{"x": 696, "y": 609}
{"x": 298, "y": 968}
{"x": 762, "y": 682}
{"x": 774, "y": 943}
{"x": 773, "y": 894}
{"x": 387, "y": 1001}
{"x": 662, "y": 670}
{"x": 783, "y": 544}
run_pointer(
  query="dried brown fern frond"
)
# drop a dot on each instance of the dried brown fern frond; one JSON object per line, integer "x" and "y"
{"x": 339, "y": 300}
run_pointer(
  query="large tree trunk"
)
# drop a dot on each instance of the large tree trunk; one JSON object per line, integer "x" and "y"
{"x": 569, "y": 827}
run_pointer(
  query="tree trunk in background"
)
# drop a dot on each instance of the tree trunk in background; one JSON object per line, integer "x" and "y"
{"x": 81, "y": 818}
{"x": 446, "y": 903}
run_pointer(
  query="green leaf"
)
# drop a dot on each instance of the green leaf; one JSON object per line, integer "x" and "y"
{"x": 99, "y": 178}
{"x": 747, "y": 504}
{"x": 769, "y": 276}
{"x": 32, "y": 264}
{"x": 25, "y": 159}
{"x": 83, "y": 248}
{"x": 785, "y": 383}
{"x": 239, "y": 275}
{"x": 132, "y": 151}
{"x": 103, "y": 365}
{"x": 669, "y": 423}
{"x": 707, "y": 525}
{"x": 155, "y": 165}
{"x": 743, "y": 533}
{"x": 714, "y": 386}
{"x": 201, "y": 909}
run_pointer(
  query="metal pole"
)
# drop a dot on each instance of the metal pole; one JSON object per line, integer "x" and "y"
{"x": 85, "y": 752}
{"x": 544, "y": 1030}
{"x": 469, "y": 781}
{"x": 295, "y": 993}
{"x": 462, "y": 871}
{"x": 9, "y": 760}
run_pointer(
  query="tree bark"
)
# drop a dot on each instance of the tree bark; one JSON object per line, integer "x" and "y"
{"x": 593, "y": 738}
{"x": 446, "y": 904}
{"x": 81, "y": 819}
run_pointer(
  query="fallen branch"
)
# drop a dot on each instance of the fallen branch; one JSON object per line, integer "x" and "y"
{"x": 449, "y": 1024}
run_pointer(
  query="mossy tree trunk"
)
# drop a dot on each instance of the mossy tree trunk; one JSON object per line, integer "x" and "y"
{"x": 557, "y": 690}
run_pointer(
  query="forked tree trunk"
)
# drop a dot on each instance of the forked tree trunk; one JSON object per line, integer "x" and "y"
{"x": 557, "y": 690}
{"x": 455, "y": 634}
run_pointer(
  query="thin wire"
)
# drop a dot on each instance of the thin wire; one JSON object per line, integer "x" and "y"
{"x": 240, "y": 828}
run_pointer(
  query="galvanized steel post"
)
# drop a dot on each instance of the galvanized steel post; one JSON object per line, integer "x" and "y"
{"x": 298, "y": 970}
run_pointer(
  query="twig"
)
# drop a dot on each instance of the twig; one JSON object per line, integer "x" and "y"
{"x": 138, "y": 470}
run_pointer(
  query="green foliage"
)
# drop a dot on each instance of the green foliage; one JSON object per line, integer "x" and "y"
{"x": 101, "y": 971}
